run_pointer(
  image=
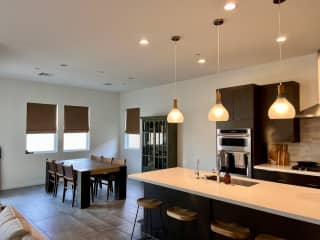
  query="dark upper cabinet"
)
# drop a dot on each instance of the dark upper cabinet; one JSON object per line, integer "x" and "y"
{"x": 243, "y": 102}
{"x": 227, "y": 100}
{"x": 248, "y": 108}
{"x": 240, "y": 103}
{"x": 282, "y": 130}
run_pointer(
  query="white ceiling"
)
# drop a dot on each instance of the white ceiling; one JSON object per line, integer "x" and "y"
{"x": 98, "y": 39}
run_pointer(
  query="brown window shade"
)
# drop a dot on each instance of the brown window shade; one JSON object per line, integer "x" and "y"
{"x": 133, "y": 121}
{"x": 76, "y": 119}
{"x": 41, "y": 118}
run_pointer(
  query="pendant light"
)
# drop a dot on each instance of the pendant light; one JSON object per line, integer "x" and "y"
{"x": 218, "y": 113}
{"x": 175, "y": 115}
{"x": 281, "y": 108}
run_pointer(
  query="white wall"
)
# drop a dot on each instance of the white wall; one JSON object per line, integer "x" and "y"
{"x": 197, "y": 135}
{"x": 18, "y": 169}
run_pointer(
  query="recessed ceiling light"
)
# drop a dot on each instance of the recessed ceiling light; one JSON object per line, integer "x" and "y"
{"x": 102, "y": 72}
{"x": 281, "y": 39}
{"x": 230, "y": 5}
{"x": 64, "y": 65}
{"x": 107, "y": 84}
{"x": 144, "y": 42}
{"x": 132, "y": 78}
{"x": 37, "y": 68}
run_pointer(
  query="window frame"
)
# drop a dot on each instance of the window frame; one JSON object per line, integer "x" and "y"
{"x": 77, "y": 150}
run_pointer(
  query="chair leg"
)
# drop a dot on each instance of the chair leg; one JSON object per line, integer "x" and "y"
{"x": 54, "y": 188}
{"x": 108, "y": 191}
{"x": 57, "y": 185}
{"x": 134, "y": 224}
{"x": 73, "y": 194}
{"x": 111, "y": 185}
{"x": 92, "y": 191}
{"x": 100, "y": 182}
{"x": 96, "y": 187}
{"x": 64, "y": 190}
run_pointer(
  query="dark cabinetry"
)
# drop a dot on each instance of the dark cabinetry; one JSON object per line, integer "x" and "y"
{"x": 159, "y": 143}
{"x": 240, "y": 102}
{"x": 288, "y": 178}
{"x": 284, "y": 130}
{"x": 248, "y": 108}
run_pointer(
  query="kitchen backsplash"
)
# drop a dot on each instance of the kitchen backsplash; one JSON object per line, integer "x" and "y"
{"x": 308, "y": 149}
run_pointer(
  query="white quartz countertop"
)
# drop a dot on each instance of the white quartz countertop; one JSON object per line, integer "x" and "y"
{"x": 295, "y": 202}
{"x": 286, "y": 169}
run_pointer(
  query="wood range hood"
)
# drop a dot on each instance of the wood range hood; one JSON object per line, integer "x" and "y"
{"x": 313, "y": 111}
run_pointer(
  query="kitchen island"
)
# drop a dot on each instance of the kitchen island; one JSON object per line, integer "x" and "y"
{"x": 288, "y": 211}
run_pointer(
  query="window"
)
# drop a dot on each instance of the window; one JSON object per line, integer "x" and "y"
{"x": 41, "y": 142}
{"x": 76, "y": 141}
{"x": 132, "y": 129}
{"x": 41, "y": 128}
{"x": 76, "y": 128}
{"x": 132, "y": 141}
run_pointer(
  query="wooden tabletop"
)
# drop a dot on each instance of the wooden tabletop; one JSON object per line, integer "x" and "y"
{"x": 88, "y": 165}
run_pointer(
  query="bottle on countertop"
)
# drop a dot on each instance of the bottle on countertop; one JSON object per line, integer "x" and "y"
{"x": 227, "y": 178}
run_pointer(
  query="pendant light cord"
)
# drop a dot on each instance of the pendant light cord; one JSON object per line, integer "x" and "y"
{"x": 279, "y": 33}
{"x": 218, "y": 55}
{"x": 175, "y": 69}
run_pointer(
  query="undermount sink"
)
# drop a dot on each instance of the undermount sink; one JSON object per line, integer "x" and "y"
{"x": 234, "y": 181}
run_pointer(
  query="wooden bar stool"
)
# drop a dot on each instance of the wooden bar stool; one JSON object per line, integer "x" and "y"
{"x": 230, "y": 230}
{"x": 148, "y": 205}
{"x": 267, "y": 237}
{"x": 182, "y": 215}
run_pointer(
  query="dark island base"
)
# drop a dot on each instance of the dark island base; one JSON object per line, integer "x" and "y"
{"x": 208, "y": 210}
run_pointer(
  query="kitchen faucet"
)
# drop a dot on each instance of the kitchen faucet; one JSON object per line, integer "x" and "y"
{"x": 197, "y": 169}
{"x": 221, "y": 156}
{"x": 218, "y": 168}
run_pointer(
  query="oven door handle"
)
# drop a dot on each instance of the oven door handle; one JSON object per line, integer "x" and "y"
{"x": 234, "y": 135}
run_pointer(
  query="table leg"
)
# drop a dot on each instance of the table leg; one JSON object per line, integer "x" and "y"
{"x": 83, "y": 189}
{"x": 121, "y": 184}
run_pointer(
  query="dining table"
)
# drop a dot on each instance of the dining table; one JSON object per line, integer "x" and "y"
{"x": 85, "y": 168}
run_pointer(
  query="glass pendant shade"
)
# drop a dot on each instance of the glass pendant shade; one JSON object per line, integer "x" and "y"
{"x": 281, "y": 108}
{"x": 175, "y": 115}
{"x": 218, "y": 113}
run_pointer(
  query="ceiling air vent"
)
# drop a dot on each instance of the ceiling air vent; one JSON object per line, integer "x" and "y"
{"x": 45, "y": 74}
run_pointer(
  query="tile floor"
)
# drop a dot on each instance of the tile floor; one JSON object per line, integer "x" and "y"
{"x": 109, "y": 220}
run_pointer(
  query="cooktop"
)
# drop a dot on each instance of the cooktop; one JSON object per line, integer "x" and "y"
{"x": 307, "y": 168}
